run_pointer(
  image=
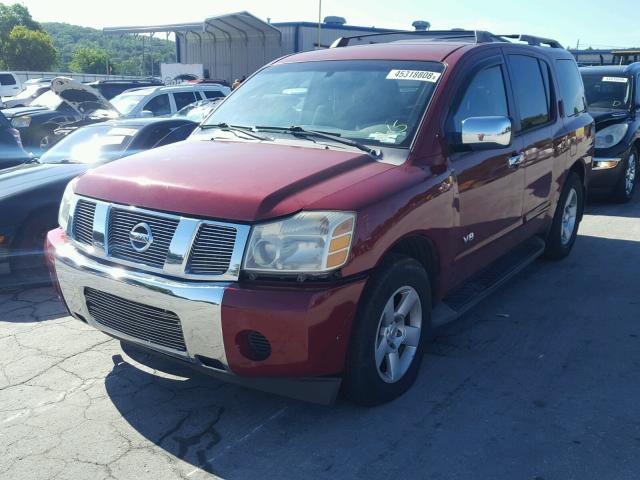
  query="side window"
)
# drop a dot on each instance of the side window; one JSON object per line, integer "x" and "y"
{"x": 183, "y": 99}
{"x": 571, "y": 88}
{"x": 638, "y": 92}
{"x": 213, "y": 94}
{"x": 530, "y": 91}
{"x": 7, "y": 79}
{"x": 159, "y": 105}
{"x": 485, "y": 97}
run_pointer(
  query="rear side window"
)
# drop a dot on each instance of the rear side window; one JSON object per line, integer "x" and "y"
{"x": 485, "y": 97}
{"x": 530, "y": 90}
{"x": 213, "y": 94}
{"x": 159, "y": 105}
{"x": 571, "y": 88}
{"x": 7, "y": 79}
{"x": 183, "y": 99}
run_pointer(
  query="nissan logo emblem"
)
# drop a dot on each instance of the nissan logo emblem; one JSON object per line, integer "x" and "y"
{"x": 140, "y": 237}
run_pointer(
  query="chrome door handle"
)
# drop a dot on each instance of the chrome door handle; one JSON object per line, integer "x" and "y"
{"x": 516, "y": 160}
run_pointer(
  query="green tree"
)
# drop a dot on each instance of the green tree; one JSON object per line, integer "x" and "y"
{"x": 27, "y": 49}
{"x": 15, "y": 15}
{"x": 89, "y": 60}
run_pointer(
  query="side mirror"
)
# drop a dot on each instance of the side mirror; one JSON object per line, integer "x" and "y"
{"x": 146, "y": 114}
{"x": 480, "y": 133}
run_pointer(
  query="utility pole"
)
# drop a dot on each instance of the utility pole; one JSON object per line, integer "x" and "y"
{"x": 319, "y": 22}
{"x": 143, "y": 66}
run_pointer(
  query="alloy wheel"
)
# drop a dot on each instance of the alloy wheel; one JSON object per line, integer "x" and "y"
{"x": 398, "y": 337}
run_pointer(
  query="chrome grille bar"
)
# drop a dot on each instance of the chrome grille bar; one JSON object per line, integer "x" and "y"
{"x": 182, "y": 247}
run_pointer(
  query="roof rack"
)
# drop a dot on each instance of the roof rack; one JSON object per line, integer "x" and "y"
{"x": 474, "y": 36}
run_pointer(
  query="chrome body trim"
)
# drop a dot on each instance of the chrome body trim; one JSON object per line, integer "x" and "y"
{"x": 179, "y": 249}
{"x": 197, "y": 304}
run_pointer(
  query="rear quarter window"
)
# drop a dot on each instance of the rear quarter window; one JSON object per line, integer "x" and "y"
{"x": 7, "y": 79}
{"x": 571, "y": 87}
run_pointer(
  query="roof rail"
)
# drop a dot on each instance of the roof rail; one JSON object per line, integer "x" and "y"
{"x": 533, "y": 40}
{"x": 475, "y": 36}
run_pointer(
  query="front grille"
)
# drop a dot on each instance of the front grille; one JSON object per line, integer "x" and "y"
{"x": 143, "y": 322}
{"x": 82, "y": 227}
{"x": 121, "y": 222}
{"x": 212, "y": 250}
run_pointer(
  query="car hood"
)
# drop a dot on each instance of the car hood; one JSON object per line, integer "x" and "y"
{"x": 21, "y": 111}
{"x": 241, "y": 181}
{"x": 82, "y": 98}
{"x": 29, "y": 176}
{"x": 604, "y": 118}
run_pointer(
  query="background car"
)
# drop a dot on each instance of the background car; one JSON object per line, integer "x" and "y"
{"x": 11, "y": 151}
{"x": 30, "y": 194}
{"x": 165, "y": 101}
{"x": 613, "y": 99}
{"x": 67, "y": 102}
{"x": 111, "y": 88}
{"x": 10, "y": 84}
{"x": 29, "y": 94}
{"x": 198, "y": 111}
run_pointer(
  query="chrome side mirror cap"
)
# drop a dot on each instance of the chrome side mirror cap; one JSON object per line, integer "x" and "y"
{"x": 486, "y": 132}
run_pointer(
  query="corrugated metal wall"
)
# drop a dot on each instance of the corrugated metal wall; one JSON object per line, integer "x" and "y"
{"x": 228, "y": 58}
{"x": 307, "y": 36}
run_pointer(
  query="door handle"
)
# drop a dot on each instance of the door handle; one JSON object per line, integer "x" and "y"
{"x": 516, "y": 160}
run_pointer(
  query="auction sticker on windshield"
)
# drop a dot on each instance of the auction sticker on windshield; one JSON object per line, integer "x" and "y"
{"x": 420, "y": 75}
{"x": 615, "y": 79}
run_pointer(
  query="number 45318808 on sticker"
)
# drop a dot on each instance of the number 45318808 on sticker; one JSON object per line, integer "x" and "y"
{"x": 421, "y": 75}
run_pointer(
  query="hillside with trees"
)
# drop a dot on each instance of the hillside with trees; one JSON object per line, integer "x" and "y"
{"x": 88, "y": 50}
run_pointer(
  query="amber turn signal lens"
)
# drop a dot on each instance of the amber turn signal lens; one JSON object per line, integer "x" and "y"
{"x": 337, "y": 259}
{"x": 340, "y": 243}
{"x": 2, "y": 239}
{"x": 343, "y": 228}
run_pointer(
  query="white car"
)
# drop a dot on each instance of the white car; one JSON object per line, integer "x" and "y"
{"x": 164, "y": 101}
{"x": 32, "y": 90}
{"x": 9, "y": 84}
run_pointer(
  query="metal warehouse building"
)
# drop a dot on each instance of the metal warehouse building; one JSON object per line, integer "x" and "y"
{"x": 237, "y": 44}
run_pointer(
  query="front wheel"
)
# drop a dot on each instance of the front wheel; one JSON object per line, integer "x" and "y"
{"x": 389, "y": 336}
{"x": 566, "y": 219}
{"x": 626, "y": 186}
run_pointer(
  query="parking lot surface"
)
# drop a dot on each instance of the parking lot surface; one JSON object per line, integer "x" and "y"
{"x": 538, "y": 382}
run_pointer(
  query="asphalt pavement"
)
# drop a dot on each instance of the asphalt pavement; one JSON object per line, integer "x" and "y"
{"x": 541, "y": 381}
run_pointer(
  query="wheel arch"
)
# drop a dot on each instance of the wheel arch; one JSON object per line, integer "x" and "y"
{"x": 423, "y": 249}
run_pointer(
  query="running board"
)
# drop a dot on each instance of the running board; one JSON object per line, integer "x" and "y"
{"x": 483, "y": 284}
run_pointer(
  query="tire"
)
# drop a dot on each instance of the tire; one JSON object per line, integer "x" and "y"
{"x": 369, "y": 382}
{"x": 570, "y": 205}
{"x": 29, "y": 263}
{"x": 626, "y": 186}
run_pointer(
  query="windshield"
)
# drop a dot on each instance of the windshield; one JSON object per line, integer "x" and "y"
{"x": 48, "y": 99}
{"x": 126, "y": 102}
{"x": 370, "y": 101}
{"x": 91, "y": 144}
{"x": 607, "y": 91}
{"x": 196, "y": 112}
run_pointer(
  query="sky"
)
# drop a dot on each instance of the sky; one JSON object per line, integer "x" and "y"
{"x": 596, "y": 23}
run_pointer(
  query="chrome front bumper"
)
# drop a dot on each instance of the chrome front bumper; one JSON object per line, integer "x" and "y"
{"x": 197, "y": 304}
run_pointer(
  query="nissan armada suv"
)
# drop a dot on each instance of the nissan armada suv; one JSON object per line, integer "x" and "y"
{"x": 335, "y": 209}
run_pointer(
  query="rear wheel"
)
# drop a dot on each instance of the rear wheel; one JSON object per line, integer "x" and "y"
{"x": 566, "y": 220}
{"x": 626, "y": 186}
{"x": 390, "y": 333}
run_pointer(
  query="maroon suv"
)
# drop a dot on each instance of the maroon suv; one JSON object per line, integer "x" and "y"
{"x": 333, "y": 210}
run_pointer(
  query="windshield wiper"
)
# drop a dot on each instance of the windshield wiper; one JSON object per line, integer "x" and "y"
{"x": 334, "y": 137}
{"x": 225, "y": 127}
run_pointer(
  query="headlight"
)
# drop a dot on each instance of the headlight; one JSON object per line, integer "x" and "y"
{"x": 309, "y": 242}
{"x": 610, "y": 136}
{"x": 65, "y": 205}
{"x": 21, "y": 122}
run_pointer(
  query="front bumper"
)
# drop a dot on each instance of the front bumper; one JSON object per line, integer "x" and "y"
{"x": 608, "y": 167}
{"x": 307, "y": 328}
